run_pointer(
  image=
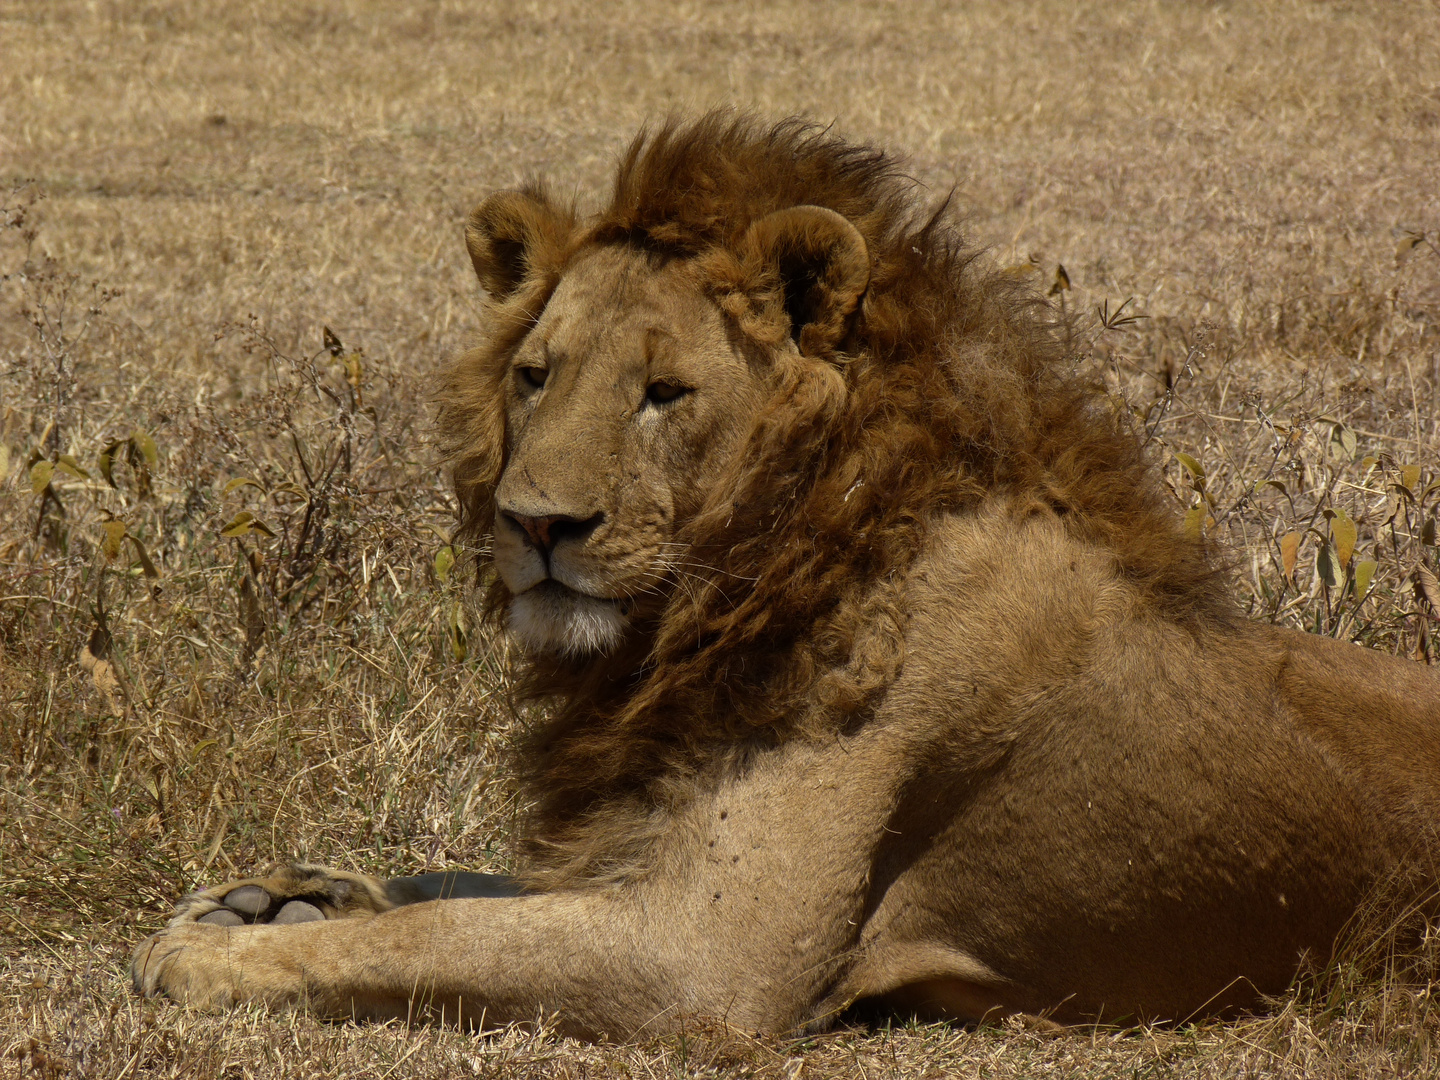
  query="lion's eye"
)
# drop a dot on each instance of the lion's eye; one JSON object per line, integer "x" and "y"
{"x": 662, "y": 391}
{"x": 533, "y": 377}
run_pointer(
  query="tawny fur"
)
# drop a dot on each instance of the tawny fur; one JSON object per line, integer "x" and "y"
{"x": 910, "y": 687}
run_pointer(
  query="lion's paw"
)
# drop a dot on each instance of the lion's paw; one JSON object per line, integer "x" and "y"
{"x": 212, "y": 967}
{"x": 287, "y": 894}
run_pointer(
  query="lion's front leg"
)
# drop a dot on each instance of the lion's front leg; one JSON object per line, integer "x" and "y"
{"x": 475, "y": 961}
{"x": 742, "y": 915}
{"x": 242, "y": 940}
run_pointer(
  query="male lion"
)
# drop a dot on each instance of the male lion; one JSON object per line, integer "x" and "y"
{"x": 877, "y": 667}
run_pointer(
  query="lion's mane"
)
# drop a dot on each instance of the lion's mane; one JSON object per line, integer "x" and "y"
{"x": 952, "y": 383}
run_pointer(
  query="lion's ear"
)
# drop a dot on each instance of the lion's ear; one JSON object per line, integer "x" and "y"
{"x": 824, "y": 268}
{"x": 513, "y": 235}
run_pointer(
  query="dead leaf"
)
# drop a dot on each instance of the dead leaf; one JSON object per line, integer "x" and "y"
{"x": 1062, "y": 280}
{"x": 1427, "y": 588}
{"x": 107, "y": 462}
{"x": 146, "y": 565}
{"x": 1289, "y": 550}
{"x": 455, "y": 631}
{"x": 252, "y": 620}
{"x": 95, "y": 658}
{"x": 114, "y": 537}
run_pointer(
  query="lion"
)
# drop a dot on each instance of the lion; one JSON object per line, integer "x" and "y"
{"x": 878, "y": 669}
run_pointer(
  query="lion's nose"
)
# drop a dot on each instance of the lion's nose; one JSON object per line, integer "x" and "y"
{"x": 546, "y": 532}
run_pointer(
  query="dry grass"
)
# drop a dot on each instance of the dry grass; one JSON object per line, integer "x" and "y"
{"x": 220, "y": 181}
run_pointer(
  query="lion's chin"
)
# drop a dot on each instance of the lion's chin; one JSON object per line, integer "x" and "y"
{"x": 549, "y": 618}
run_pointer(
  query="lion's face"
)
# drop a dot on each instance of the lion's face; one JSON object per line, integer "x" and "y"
{"x": 624, "y": 387}
{"x": 621, "y": 405}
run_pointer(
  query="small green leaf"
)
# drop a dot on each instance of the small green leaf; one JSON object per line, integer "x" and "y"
{"x": 1191, "y": 465}
{"x": 1194, "y": 520}
{"x": 444, "y": 560}
{"x": 146, "y": 445}
{"x": 1410, "y": 477}
{"x": 1342, "y": 439}
{"x": 1325, "y": 565}
{"x": 1343, "y": 530}
{"x": 145, "y": 564}
{"x": 244, "y": 523}
{"x": 66, "y": 463}
{"x": 107, "y": 462}
{"x": 354, "y": 370}
{"x": 1364, "y": 574}
{"x": 239, "y": 482}
{"x": 41, "y": 474}
{"x": 239, "y": 525}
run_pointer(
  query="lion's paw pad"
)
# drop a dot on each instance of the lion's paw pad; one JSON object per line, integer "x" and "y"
{"x": 287, "y": 895}
{"x": 297, "y": 911}
{"x": 249, "y": 901}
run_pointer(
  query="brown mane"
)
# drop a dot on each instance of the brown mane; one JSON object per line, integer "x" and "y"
{"x": 952, "y": 384}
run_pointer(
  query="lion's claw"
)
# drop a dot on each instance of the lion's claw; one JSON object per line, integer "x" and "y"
{"x": 153, "y": 960}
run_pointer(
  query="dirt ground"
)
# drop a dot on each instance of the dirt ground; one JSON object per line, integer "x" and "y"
{"x": 193, "y": 191}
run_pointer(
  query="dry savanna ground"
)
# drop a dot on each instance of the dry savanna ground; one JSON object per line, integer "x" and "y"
{"x": 228, "y": 631}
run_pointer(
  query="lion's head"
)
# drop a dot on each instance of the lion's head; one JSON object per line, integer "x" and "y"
{"x": 706, "y": 421}
{"x": 626, "y": 398}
